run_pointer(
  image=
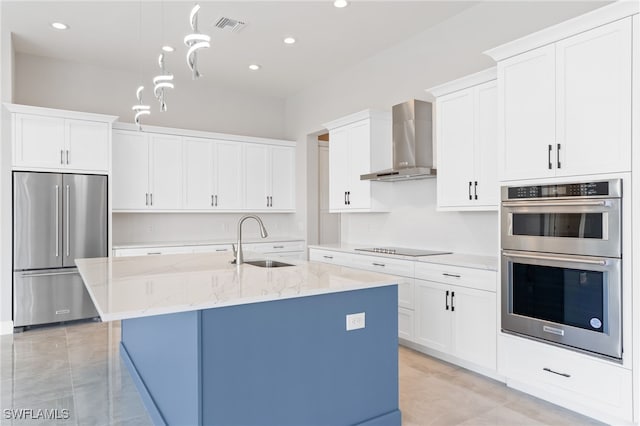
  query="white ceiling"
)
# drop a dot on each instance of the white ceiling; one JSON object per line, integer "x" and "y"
{"x": 329, "y": 39}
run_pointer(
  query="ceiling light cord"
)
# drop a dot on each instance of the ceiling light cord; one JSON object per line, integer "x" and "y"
{"x": 195, "y": 42}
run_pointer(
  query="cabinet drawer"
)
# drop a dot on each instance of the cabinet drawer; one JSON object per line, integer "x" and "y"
{"x": 465, "y": 277}
{"x": 274, "y": 247}
{"x": 589, "y": 382}
{"x": 384, "y": 265}
{"x": 405, "y": 324}
{"x": 152, "y": 251}
{"x": 332, "y": 257}
{"x": 213, "y": 248}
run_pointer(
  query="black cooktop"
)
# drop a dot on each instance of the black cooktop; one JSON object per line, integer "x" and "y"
{"x": 403, "y": 251}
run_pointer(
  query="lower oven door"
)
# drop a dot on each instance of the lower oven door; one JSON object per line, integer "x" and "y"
{"x": 570, "y": 300}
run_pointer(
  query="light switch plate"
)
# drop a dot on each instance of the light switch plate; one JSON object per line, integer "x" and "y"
{"x": 355, "y": 321}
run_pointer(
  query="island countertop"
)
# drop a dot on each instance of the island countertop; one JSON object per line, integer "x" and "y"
{"x": 133, "y": 287}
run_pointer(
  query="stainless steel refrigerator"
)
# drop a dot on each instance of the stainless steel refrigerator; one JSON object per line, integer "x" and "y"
{"x": 56, "y": 218}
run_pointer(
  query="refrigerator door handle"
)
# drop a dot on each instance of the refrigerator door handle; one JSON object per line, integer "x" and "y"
{"x": 48, "y": 274}
{"x": 57, "y": 220}
{"x": 67, "y": 221}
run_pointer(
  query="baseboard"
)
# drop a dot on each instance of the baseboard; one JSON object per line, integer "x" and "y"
{"x": 6, "y": 327}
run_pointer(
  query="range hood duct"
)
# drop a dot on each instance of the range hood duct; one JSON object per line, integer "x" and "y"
{"x": 412, "y": 144}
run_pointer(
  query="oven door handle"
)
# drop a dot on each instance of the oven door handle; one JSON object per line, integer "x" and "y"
{"x": 572, "y": 259}
{"x": 557, "y": 203}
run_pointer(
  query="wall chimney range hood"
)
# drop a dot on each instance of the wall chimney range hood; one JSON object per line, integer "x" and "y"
{"x": 412, "y": 144}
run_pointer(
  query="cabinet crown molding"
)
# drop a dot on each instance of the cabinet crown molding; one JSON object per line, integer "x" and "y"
{"x": 463, "y": 82}
{"x": 199, "y": 134}
{"x": 601, "y": 16}
{"x": 60, "y": 113}
{"x": 358, "y": 116}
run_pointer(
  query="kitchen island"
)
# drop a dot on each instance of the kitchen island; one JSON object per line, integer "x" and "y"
{"x": 208, "y": 342}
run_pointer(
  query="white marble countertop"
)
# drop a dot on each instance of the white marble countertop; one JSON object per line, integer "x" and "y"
{"x": 178, "y": 243}
{"x": 133, "y": 287}
{"x": 453, "y": 259}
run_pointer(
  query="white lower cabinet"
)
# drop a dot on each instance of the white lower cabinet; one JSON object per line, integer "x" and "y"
{"x": 592, "y": 386}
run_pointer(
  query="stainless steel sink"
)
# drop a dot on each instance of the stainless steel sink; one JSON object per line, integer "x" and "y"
{"x": 267, "y": 263}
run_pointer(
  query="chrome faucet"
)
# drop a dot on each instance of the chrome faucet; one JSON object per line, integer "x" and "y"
{"x": 237, "y": 253}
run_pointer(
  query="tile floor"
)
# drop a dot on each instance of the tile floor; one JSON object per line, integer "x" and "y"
{"x": 77, "y": 368}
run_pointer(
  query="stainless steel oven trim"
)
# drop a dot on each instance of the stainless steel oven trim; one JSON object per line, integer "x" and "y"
{"x": 615, "y": 191}
{"x": 608, "y": 343}
{"x": 609, "y": 246}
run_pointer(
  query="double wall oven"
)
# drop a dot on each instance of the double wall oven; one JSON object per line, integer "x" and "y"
{"x": 561, "y": 264}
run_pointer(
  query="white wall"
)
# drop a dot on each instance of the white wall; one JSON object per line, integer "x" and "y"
{"x": 175, "y": 227}
{"x": 444, "y": 52}
{"x": 197, "y": 105}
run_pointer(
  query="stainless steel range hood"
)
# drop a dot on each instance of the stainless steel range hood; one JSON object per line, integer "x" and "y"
{"x": 412, "y": 144}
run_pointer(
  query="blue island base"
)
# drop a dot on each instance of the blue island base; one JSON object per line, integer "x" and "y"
{"x": 285, "y": 362}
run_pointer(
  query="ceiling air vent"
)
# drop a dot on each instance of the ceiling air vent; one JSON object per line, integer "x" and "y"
{"x": 228, "y": 23}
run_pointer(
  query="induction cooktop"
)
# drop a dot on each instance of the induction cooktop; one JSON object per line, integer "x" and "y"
{"x": 403, "y": 251}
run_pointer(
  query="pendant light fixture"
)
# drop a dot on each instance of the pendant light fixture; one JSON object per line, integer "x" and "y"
{"x": 140, "y": 109}
{"x": 195, "y": 41}
{"x": 162, "y": 82}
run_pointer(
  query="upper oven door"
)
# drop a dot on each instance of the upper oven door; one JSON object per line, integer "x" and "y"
{"x": 588, "y": 227}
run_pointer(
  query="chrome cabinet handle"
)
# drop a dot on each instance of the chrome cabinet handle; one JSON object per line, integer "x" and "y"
{"x": 345, "y": 198}
{"x": 212, "y": 201}
{"x": 278, "y": 247}
{"x": 470, "y": 190}
{"x": 61, "y": 156}
{"x": 67, "y": 156}
{"x": 271, "y": 201}
{"x": 475, "y": 190}
{"x": 216, "y": 198}
{"x": 382, "y": 265}
{"x": 151, "y": 198}
{"x": 548, "y": 370}
{"x": 153, "y": 253}
{"x": 224, "y": 249}
{"x": 446, "y": 301}
{"x": 451, "y": 275}
{"x": 267, "y": 201}
{"x": 453, "y": 294}
{"x": 57, "y": 220}
{"x": 67, "y": 220}
{"x": 327, "y": 257}
{"x": 348, "y": 197}
{"x": 558, "y": 155}
{"x": 549, "y": 156}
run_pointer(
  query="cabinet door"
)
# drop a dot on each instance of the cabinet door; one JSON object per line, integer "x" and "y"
{"x": 474, "y": 326}
{"x": 526, "y": 110}
{"x": 359, "y": 158}
{"x": 282, "y": 178}
{"x": 130, "y": 170}
{"x": 39, "y": 141}
{"x": 198, "y": 173}
{"x": 338, "y": 166}
{"x": 87, "y": 145}
{"x": 486, "y": 145}
{"x": 433, "y": 315}
{"x": 594, "y": 100}
{"x": 165, "y": 172}
{"x": 455, "y": 133}
{"x": 255, "y": 162}
{"x": 228, "y": 171}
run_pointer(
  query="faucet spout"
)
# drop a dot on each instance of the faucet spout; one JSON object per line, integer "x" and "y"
{"x": 239, "y": 258}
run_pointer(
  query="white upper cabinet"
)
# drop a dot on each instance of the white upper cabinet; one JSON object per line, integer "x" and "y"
{"x": 358, "y": 144}
{"x": 227, "y": 176}
{"x": 565, "y": 108}
{"x": 147, "y": 171}
{"x": 55, "y": 140}
{"x": 466, "y": 137}
{"x": 269, "y": 177}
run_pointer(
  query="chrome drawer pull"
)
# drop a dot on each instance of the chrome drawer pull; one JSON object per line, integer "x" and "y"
{"x": 327, "y": 257}
{"x": 450, "y": 275}
{"x": 154, "y": 252}
{"x": 278, "y": 247}
{"x": 378, "y": 264}
{"x": 548, "y": 370}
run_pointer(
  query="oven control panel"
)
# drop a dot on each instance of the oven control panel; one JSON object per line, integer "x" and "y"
{"x": 584, "y": 189}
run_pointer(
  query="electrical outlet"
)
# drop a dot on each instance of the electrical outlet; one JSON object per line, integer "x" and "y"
{"x": 355, "y": 321}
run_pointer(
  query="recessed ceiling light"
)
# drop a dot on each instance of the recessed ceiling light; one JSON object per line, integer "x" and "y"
{"x": 59, "y": 26}
{"x": 254, "y": 67}
{"x": 289, "y": 40}
{"x": 341, "y": 3}
{"x": 168, "y": 48}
